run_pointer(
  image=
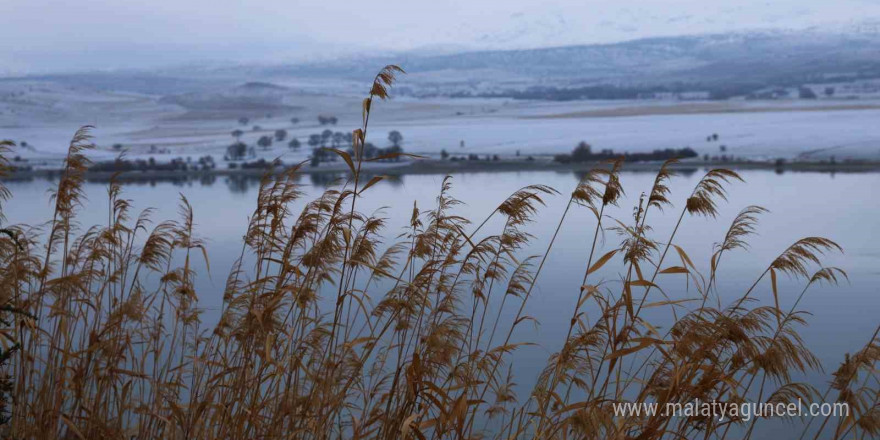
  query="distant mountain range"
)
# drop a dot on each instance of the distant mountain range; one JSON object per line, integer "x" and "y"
{"x": 723, "y": 65}
{"x": 734, "y": 61}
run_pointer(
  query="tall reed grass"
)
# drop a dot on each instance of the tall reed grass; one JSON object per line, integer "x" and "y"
{"x": 328, "y": 331}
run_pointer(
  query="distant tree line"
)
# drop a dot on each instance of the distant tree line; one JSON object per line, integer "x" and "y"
{"x": 583, "y": 153}
{"x": 260, "y": 164}
{"x": 576, "y": 93}
{"x": 716, "y": 91}
{"x": 327, "y": 120}
{"x": 203, "y": 163}
{"x": 371, "y": 151}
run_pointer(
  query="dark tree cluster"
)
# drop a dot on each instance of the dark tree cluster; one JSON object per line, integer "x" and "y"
{"x": 578, "y": 93}
{"x": 371, "y": 151}
{"x": 806, "y": 93}
{"x": 583, "y": 153}
{"x": 390, "y": 154}
{"x": 204, "y": 163}
{"x": 474, "y": 157}
{"x": 327, "y": 120}
{"x": 260, "y": 164}
{"x": 329, "y": 138}
{"x": 236, "y": 151}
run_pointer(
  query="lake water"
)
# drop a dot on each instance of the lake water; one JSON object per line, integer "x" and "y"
{"x": 842, "y": 207}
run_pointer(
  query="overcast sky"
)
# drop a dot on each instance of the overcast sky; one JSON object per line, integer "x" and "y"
{"x": 46, "y": 35}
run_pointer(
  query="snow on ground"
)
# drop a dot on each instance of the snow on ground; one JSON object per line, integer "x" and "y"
{"x": 45, "y": 115}
{"x": 753, "y": 135}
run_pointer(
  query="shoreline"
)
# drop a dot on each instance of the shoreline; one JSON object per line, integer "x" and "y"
{"x": 434, "y": 166}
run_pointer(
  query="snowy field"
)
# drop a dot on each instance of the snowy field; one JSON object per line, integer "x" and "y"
{"x": 44, "y": 115}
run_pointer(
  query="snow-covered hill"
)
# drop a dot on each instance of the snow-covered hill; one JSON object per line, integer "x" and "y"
{"x": 735, "y": 61}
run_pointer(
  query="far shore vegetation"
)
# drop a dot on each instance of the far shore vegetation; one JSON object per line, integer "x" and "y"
{"x": 583, "y": 152}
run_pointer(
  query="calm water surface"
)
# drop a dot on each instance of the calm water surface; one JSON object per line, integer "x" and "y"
{"x": 842, "y": 207}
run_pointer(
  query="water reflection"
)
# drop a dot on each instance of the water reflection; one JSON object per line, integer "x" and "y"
{"x": 223, "y": 202}
{"x": 683, "y": 171}
{"x": 243, "y": 182}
